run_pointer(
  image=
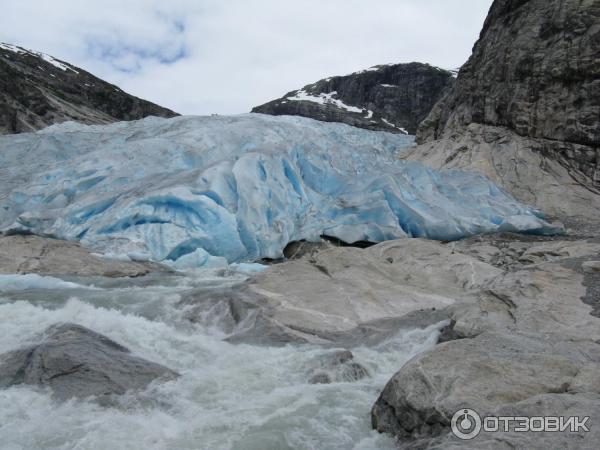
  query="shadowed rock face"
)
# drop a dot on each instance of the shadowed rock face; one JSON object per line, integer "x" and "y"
{"x": 535, "y": 71}
{"x": 37, "y": 90}
{"x": 76, "y": 362}
{"x": 398, "y": 97}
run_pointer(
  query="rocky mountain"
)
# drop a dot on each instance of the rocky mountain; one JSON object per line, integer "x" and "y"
{"x": 523, "y": 336}
{"x": 525, "y": 108}
{"x": 393, "y": 98}
{"x": 37, "y": 90}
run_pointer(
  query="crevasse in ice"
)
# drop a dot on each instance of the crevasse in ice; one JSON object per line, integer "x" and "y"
{"x": 193, "y": 190}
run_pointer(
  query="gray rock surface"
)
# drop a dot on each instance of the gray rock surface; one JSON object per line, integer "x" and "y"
{"x": 497, "y": 374}
{"x": 354, "y": 296}
{"x": 540, "y": 60}
{"x": 525, "y": 109}
{"x": 337, "y": 366}
{"x": 523, "y": 336}
{"x": 522, "y": 167}
{"x": 34, "y": 254}
{"x": 343, "y": 295}
{"x": 398, "y": 95}
{"x": 37, "y": 91}
{"x": 341, "y": 288}
{"x": 74, "y": 361}
{"x": 591, "y": 267}
{"x": 525, "y": 342}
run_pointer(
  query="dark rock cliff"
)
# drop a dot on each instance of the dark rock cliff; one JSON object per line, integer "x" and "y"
{"x": 393, "y": 98}
{"x": 37, "y": 90}
{"x": 536, "y": 72}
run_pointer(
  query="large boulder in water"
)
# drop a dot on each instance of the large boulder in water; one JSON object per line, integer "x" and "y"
{"x": 77, "y": 362}
{"x": 514, "y": 375}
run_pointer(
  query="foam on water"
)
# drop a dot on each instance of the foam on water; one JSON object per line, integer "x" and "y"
{"x": 12, "y": 282}
{"x": 228, "y": 397}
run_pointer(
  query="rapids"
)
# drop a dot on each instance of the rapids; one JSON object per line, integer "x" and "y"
{"x": 230, "y": 396}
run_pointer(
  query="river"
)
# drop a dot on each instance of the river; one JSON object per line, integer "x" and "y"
{"x": 230, "y": 396}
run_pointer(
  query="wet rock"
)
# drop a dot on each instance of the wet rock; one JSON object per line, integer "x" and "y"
{"x": 336, "y": 292}
{"x": 344, "y": 296}
{"x": 448, "y": 333}
{"x": 245, "y": 316}
{"x": 523, "y": 342}
{"x": 338, "y": 366}
{"x": 74, "y": 361}
{"x": 494, "y": 374}
{"x": 298, "y": 249}
{"x": 320, "y": 378}
{"x": 21, "y": 254}
{"x": 248, "y": 313}
{"x": 591, "y": 267}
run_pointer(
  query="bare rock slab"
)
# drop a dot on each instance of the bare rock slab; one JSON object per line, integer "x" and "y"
{"x": 44, "y": 256}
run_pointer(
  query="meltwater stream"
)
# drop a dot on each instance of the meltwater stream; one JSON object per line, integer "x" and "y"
{"x": 230, "y": 396}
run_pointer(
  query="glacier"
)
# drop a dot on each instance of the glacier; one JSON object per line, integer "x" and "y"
{"x": 196, "y": 191}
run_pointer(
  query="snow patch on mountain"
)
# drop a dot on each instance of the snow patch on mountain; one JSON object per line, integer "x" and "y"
{"x": 387, "y": 122}
{"x": 324, "y": 99}
{"x": 49, "y": 59}
{"x": 371, "y": 69}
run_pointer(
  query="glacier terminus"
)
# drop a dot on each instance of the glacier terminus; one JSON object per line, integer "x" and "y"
{"x": 197, "y": 191}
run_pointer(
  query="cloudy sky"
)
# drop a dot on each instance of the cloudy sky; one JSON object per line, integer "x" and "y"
{"x": 225, "y": 56}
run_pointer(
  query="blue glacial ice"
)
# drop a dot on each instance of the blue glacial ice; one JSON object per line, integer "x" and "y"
{"x": 193, "y": 191}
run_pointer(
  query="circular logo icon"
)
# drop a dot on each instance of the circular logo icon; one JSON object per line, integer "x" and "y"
{"x": 466, "y": 424}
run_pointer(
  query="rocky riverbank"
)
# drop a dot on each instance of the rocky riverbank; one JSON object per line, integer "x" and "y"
{"x": 520, "y": 317}
{"x": 524, "y": 112}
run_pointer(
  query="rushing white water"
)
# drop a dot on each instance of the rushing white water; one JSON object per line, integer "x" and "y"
{"x": 228, "y": 397}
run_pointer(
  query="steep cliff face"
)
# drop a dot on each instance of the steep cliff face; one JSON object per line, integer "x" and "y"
{"x": 393, "y": 98}
{"x": 536, "y": 71}
{"x": 37, "y": 90}
{"x": 525, "y": 108}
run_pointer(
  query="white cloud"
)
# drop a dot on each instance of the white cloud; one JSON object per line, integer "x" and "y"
{"x": 225, "y": 56}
